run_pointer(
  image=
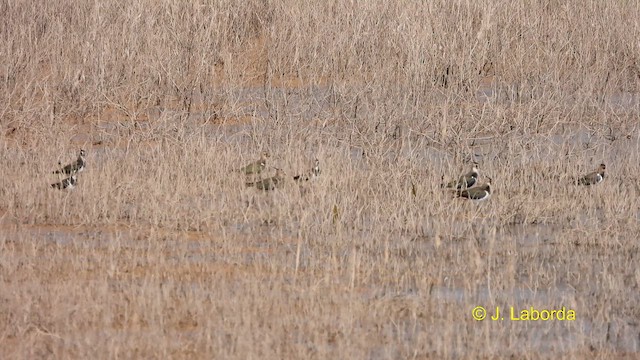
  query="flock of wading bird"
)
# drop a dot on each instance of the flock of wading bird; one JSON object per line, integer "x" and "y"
{"x": 466, "y": 186}
{"x": 254, "y": 170}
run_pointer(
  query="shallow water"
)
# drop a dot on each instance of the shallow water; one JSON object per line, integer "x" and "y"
{"x": 548, "y": 337}
{"x": 254, "y": 244}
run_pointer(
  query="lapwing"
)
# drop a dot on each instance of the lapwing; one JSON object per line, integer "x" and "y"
{"x": 465, "y": 181}
{"x": 75, "y": 167}
{"x": 312, "y": 174}
{"x": 478, "y": 193}
{"x": 593, "y": 178}
{"x": 271, "y": 183}
{"x": 68, "y": 183}
{"x": 256, "y": 167}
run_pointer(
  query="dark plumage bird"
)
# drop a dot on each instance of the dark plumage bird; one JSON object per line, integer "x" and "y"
{"x": 465, "y": 181}
{"x": 75, "y": 167}
{"x": 478, "y": 193}
{"x": 593, "y": 178}
{"x": 271, "y": 183}
{"x": 256, "y": 167}
{"x": 68, "y": 183}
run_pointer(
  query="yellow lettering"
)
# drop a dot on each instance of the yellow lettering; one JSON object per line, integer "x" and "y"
{"x": 532, "y": 314}
{"x": 511, "y": 314}
{"x": 544, "y": 314}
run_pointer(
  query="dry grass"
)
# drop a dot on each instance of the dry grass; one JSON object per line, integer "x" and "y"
{"x": 161, "y": 252}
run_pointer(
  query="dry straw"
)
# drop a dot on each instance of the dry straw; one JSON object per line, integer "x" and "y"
{"x": 161, "y": 251}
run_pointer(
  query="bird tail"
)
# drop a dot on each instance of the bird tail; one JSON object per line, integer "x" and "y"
{"x": 451, "y": 185}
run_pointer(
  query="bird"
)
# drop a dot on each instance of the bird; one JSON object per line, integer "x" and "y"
{"x": 276, "y": 181}
{"x": 256, "y": 167}
{"x": 465, "y": 181}
{"x": 312, "y": 174}
{"x": 593, "y": 178}
{"x": 68, "y": 183}
{"x": 75, "y": 167}
{"x": 478, "y": 193}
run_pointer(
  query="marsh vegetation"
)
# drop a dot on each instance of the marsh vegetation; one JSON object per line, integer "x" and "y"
{"x": 162, "y": 251}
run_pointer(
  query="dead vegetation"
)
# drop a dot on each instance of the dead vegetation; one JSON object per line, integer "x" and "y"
{"x": 161, "y": 251}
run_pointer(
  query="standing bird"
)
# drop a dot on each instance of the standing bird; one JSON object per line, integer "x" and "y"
{"x": 478, "y": 193}
{"x": 312, "y": 174}
{"x": 68, "y": 183}
{"x": 593, "y": 178}
{"x": 256, "y": 167}
{"x": 75, "y": 167}
{"x": 465, "y": 181}
{"x": 277, "y": 181}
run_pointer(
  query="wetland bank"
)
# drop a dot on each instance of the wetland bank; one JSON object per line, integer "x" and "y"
{"x": 161, "y": 251}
